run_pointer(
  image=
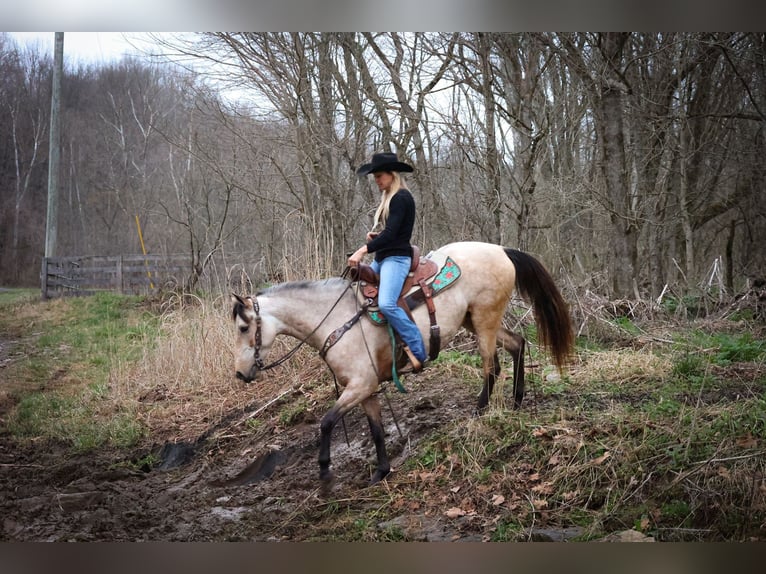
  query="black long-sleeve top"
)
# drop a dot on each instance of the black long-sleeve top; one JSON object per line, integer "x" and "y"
{"x": 395, "y": 238}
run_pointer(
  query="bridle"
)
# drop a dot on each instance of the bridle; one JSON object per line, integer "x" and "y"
{"x": 331, "y": 340}
{"x": 257, "y": 359}
{"x": 258, "y": 338}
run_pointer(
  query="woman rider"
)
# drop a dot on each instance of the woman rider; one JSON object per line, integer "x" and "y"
{"x": 392, "y": 249}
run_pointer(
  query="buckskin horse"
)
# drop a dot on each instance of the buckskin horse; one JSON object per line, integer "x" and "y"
{"x": 326, "y": 315}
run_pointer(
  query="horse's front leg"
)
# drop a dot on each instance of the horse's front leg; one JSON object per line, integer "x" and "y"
{"x": 356, "y": 391}
{"x": 326, "y": 427}
{"x": 371, "y": 406}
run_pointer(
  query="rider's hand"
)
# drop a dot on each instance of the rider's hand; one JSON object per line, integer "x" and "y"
{"x": 356, "y": 256}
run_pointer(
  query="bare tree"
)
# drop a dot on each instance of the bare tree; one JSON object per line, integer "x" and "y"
{"x": 24, "y": 93}
{"x": 598, "y": 61}
{"x": 634, "y": 161}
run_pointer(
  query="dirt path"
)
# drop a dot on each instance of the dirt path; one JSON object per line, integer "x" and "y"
{"x": 233, "y": 487}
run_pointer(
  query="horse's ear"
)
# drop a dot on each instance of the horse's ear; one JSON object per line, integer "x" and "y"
{"x": 246, "y": 302}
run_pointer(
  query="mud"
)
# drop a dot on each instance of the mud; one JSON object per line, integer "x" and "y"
{"x": 233, "y": 486}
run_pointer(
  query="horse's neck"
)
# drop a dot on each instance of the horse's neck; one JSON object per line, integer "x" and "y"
{"x": 301, "y": 313}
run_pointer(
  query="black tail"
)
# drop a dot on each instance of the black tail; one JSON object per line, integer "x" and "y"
{"x": 554, "y": 325}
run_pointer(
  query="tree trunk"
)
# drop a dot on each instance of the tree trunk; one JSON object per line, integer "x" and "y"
{"x": 610, "y": 113}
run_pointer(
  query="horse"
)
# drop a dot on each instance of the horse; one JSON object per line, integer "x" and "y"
{"x": 361, "y": 357}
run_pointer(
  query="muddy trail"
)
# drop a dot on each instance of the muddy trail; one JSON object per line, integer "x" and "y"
{"x": 544, "y": 473}
{"x": 231, "y": 484}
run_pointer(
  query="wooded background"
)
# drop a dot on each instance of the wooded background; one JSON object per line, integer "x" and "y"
{"x": 630, "y": 163}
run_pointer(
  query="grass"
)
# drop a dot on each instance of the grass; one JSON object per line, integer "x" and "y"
{"x": 18, "y": 295}
{"x": 661, "y": 440}
{"x": 73, "y": 420}
{"x": 665, "y": 435}
{"x": 62, "y": 375}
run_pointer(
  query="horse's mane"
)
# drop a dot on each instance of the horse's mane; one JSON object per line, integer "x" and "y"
{"x": 320, "y": 285}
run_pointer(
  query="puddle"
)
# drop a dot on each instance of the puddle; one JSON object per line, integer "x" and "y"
{"x": 233, "y": 514}
{"x": 260, "y": 469}
{"x": 175, "y": 454}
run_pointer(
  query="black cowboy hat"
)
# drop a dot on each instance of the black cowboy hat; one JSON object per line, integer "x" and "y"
{"x": 384, "y": 162}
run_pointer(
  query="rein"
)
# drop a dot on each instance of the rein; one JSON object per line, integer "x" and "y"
{"x": 331, "y": 340}
{"x": 258, "y": 337}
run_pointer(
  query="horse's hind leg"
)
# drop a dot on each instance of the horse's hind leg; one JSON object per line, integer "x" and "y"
{"x": 371, "y": 407}
{"x": 514, "y": 344}
{"x": 491, "y": 371}
{"x": 488, "y": 338}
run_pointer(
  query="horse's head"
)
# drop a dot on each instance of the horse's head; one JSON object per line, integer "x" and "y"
{"x": 249, "y": 349}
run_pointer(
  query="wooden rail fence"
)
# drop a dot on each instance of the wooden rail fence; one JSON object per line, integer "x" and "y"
{"x": 129, "y": 274}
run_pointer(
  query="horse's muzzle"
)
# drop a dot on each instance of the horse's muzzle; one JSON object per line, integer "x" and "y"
{"x": 251, "y": 376}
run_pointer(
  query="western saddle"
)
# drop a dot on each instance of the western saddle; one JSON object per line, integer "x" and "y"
{"x": 414, "y": 291}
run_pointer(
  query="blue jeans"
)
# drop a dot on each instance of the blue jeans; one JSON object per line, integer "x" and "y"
{"x": 393, "y": 271}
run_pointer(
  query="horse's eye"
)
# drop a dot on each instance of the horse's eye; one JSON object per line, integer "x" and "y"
{"x": 243, "y": 329}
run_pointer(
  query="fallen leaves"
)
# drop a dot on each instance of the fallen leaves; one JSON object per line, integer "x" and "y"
{"x": 747, "y": 441}
{"x": 599, "y": 460}
{"x": 455, "y": 512}
{"x": 543, "y": 488}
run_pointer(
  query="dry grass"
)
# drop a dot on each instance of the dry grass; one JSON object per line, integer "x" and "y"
{"x": 635, "y": 437}
{"x": 186, "y": 382}
{"x": 626, "y": 440}
{"x": 186, "y": 385}
{"x": 628, "y": 368}
{"x": 646, "y": 433}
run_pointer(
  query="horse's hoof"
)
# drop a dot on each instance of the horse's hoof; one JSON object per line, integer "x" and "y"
{"x": 378, "y": 476}
{"x": 327, "y": 481}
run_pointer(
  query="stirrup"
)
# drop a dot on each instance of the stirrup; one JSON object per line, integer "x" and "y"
{"x": 414, "y": 366}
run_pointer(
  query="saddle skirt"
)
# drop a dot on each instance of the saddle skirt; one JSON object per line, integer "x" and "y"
{"x": 436, "y": 270}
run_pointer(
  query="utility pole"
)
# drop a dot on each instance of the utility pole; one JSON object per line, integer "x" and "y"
{"x": 54, "y": 151}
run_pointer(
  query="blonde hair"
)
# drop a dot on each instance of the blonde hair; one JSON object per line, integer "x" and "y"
{"x": 381, "y": 214}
